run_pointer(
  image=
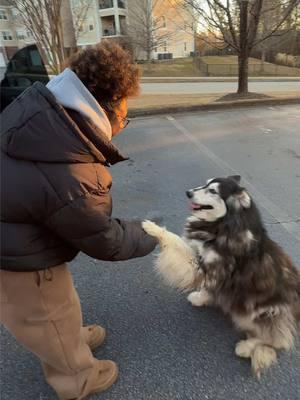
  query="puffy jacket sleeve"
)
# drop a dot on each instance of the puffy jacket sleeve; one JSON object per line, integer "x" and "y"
{"x": 86, "y": 226}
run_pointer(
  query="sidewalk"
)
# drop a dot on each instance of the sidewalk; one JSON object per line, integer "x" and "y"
{"x": 153, "y": 104}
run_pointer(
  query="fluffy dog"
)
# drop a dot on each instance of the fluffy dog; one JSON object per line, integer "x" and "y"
{"x": 227, "y": 258}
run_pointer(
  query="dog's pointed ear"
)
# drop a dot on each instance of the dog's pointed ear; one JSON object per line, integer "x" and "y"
{"x": 239, "y": 200}
{"x": 236, "y": 178}
{"x": 244, "y": 199}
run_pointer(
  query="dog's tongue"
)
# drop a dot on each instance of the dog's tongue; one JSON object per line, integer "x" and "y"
{"x": 194, "y": 206}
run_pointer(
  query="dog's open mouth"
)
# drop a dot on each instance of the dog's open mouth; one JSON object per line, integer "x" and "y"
{"x": 199, "y": 207}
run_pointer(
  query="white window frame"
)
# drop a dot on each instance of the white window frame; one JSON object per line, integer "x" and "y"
{"x": 9, "y": 34}
{"x": 14, "y": 12}
{"x": 21, "y": 33}
{"x": 3, "y": 12}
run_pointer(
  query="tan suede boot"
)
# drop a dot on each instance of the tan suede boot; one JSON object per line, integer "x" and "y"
{"x": 103, "y": 376}
{"x": 106, "y": 376}
{"x": 94, "y": 335}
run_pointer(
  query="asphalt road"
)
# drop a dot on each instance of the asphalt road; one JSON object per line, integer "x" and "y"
{"x": 218, "y": 87}
{"x": 166, "y": 349}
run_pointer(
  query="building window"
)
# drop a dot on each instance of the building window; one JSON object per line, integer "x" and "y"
{"x": 7, "y": 35}
{"x": 184, "y": 46}
{"x": 164, "y": 24}
{"x": 121, "y": 4}
{"x": 29, "y": 34}
{"x": 20, "y": 35}
{"x": 155, "y": 49}
{"x": 91, "y": 27}
{"x": 3, "y": 15}
{"x": 165, "y": 46}
{"x": 105, "y": 4}
{"x": 108, "y": 26}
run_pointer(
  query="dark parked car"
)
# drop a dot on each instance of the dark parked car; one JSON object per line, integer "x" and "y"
{"x": 23, "y": 69}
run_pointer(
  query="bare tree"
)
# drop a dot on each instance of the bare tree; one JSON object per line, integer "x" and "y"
{"x": 80, "y": 9}
{"x": 237, "y": 23}
{"x": 43, "y": 19}
{"x": 146, "y": 30}
{"x": 52, "y": 26}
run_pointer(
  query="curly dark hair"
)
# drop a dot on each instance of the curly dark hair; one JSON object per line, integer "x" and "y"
{"x": 107, "y": 71}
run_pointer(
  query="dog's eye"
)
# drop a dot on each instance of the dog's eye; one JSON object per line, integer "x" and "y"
{"x": 213, "y": 191}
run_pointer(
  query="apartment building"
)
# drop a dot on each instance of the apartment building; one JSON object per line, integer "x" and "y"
{"x": 178, "y": 24}
{"x": 167, "y": 24}
{"x": 102, "y": 19}
{"x": 13, "y": 34}
{"x": 120, "y": 18}
{"x": 98, "y": 19}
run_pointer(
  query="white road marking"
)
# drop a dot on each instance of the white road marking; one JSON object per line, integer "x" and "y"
{"x": 285, "y": 220}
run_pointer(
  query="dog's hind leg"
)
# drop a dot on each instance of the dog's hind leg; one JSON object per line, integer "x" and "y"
{"x": 245, "y": 348}
{"x": 271, "y": 331}
{"x": 263, "y": 357}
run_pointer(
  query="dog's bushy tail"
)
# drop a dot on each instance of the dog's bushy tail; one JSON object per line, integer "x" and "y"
{"x": 297, "y": 310}
{"x": 296, "y": 306}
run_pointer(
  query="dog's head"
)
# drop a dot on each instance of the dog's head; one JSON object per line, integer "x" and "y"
{"x": 213, "y": 200}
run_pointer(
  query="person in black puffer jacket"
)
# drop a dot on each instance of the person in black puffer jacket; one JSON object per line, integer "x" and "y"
{"x": 55, "y": 202}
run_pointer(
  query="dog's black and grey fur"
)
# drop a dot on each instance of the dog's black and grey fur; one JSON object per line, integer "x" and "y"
{"x": 227, "y": 257}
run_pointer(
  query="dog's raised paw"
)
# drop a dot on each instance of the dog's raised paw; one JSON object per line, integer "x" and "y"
{"x": 152, "y": 229}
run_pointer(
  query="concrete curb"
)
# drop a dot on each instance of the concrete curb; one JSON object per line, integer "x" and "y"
{"x": 211, "y": 106}
{"x": 193, "y": 79}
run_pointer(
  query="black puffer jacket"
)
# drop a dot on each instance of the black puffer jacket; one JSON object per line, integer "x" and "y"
{"x": 55, "y": 198}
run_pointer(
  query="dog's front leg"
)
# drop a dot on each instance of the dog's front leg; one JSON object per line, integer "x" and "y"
{"x": 201, "y": 298}
{"x": 176, "y": 261}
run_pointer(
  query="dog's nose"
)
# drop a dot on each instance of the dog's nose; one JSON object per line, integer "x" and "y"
{"x": 189, "y": 193}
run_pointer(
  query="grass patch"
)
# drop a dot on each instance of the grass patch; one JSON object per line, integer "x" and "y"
{"x": 228, "y": 66}
{"x": 226, "y": 60}
{"x": 176, "y": 67}
{"x": 237, "y": 96}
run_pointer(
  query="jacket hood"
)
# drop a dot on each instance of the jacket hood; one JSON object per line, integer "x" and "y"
{"x": 35, "y": 127}
{"x": 71, "y": 93}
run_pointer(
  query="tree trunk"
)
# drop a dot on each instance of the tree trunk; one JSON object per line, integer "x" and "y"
{"x": 262, "y": 59}
{"x": 243, "y": 74}
{"x": 244, "y": 52}
{"x": 148, "y": 55}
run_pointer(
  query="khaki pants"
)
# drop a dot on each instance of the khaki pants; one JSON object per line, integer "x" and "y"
{"x": 42, "y": 310}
